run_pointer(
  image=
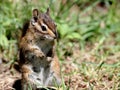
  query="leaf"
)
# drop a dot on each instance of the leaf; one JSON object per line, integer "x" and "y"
{"x": 63, "y": 29}
{"x": 4, "y": 41}
{"x": 87, "y": 35}
{"x": 74, "y": 35}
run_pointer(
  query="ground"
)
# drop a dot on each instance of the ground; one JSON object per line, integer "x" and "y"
{"x": 82, "y": 70}
{"x": 88, "y": 48}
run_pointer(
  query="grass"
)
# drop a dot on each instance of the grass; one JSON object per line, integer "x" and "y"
{"x": 88, "y": 47}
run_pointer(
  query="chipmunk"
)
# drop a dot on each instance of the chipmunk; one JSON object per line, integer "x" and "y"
{"x": 38, "y": 61}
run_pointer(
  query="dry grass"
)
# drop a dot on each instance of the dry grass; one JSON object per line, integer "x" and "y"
{"x": 7, "y": 77}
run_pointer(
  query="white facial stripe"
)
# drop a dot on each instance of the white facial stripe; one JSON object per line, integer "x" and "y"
{"x": 39, "y": 28}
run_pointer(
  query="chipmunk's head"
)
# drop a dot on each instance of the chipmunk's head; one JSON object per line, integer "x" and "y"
{"x": 44, "y": 25}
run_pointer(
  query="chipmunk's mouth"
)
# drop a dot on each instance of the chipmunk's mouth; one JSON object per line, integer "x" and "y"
{"x": 47, "y": 37}
{"x": 42, "y": 38}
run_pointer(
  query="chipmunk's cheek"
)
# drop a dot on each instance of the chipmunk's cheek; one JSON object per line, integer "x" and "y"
{"x": 49, "y": 37}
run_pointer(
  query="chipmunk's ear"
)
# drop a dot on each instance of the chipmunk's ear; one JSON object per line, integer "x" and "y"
{"x": 35, "y": 12}
{"x": 48, "y": 11}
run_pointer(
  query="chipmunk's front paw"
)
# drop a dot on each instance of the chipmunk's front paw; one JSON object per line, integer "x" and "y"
{"x": 49, "y": 59}
{"x": 40, "y": 54}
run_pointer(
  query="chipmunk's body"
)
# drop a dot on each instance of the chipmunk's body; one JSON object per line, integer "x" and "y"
{"x": 38, "y": 61}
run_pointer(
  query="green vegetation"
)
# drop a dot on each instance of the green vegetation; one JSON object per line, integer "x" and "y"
{"x": 89, "y": 39}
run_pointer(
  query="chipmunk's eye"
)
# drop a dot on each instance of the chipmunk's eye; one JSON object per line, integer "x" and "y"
{"x": 43, "y": 28}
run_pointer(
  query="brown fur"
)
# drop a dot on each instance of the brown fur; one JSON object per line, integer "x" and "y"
{"x": 38, "y": 60}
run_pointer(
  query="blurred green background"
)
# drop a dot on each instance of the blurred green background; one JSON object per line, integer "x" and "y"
{"x": 89, "y": 31}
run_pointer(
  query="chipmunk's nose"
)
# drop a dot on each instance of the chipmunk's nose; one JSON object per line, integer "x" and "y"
{"x": 52, "y": 33}
{"x": 56, "y": 35}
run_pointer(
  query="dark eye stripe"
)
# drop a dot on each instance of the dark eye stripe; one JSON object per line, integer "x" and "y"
{"x": 48, "y": 23}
